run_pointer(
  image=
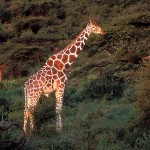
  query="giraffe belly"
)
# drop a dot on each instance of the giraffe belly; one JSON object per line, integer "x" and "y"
{"x": 47, "y": 91}
{"x": 47, "y": 95}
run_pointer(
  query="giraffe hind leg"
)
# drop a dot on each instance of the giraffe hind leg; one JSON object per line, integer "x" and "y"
{"x": 31, "y": 118}
{"x": 26, "y": 117}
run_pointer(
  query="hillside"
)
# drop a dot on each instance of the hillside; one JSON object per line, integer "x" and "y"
{"x": 106, "y": 102}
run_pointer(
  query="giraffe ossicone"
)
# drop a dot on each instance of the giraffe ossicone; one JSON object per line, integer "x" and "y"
{"x": 52, "y": 76}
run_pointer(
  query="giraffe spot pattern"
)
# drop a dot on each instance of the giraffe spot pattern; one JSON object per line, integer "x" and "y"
{"x": 51, "y": 77}
{"x": 58, "y": 65}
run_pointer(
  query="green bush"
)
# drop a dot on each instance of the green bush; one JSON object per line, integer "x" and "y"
{"x": 143, "y": 93}
{"x": 44, "y": 113}
{"x": 4, "y": 108}
{"x": 94, "y": 88}
{"x": 62, "y": 142}
{"x": 98, "y": 124}
{"x": 10, "y": 138}
{"x": 5, "y": 85}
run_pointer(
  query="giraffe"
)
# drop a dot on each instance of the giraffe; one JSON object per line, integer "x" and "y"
{"x": 52, "y": 76}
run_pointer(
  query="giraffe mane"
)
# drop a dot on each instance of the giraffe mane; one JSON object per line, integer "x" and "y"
{"x": 71, "y": 43}
{"x": 92, "y": 21}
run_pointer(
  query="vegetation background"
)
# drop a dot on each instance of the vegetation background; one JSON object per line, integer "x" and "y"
{"x": 107, "y": 98}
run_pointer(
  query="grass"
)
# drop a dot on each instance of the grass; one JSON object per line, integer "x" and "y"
{"x": 99, "y": 123}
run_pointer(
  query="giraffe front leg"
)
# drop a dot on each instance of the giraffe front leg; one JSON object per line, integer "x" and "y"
{"x": 59, "y": 101}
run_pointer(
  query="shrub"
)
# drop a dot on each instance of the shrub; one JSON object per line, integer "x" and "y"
{"x": 142, "y": 141}
{"x": 143, "y": 94}
{"x": 95, "y": 88}
{"x": 44, "y": 112}
{"x": 5, "y": 85}
{"x": 4, "y": 108}
{"x": 4, "y": 36}
{"x": 4, "y": 15}
{"x": 62, "y": 142}
{"x": 84, "y": 126}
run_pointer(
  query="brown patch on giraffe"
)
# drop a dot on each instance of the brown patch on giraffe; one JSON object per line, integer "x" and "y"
{"x": 36, "y": 90}
{"x": 48, "y": 77}
{"x": 47, "y": 68}
{"x": 86, "y": 35}
{"x": 71, "y": 58}
{"x": 58, "y": 64}
{"x": 50, "y": 62}
{"x": 60, "y": 74}
{"x": 62, "y": 79}
{"x": 77, "y": 44}
{"x": 43, "y": 74}
{"x": 35, "y": 82}
{"x": 78, "y": 51}
{"x": 53, "y": 57}
{"x": 82, "y": 45}
{"x": 79, "y": 39}
{"x": 73, "y": 49}
{"x": 55, "y": 77}
{"x": 42, "y": 79}
{"x": 30, "y": 86}
{"x": 54, "y": 71}
{"x": 59, "y": 56}
{"x": 40, "y": 83}
{"x": 49, "y": 72}
{"x": 48, "y": 84}
{"x": 67, "y": 52}
{"x": 65, "y": 58}
{"x": 40, "y": 71}
{"x": 84, "y": 41}
{"x": 34, "y": 77}
{"x": 38, "y": 76}
{"x": 67, "y": 66}
{"x": 31, "y": 91}
{"x": 31, "y": 81}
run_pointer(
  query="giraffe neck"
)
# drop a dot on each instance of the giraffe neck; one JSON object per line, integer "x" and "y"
{"x": 75, "y": 47}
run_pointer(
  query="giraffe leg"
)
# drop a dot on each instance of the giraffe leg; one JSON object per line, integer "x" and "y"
{"x": 59, "y": 100}
{"x": 31, "y": 118}
{"x": 29, "y": 111}
{"x": 26, "y": 116}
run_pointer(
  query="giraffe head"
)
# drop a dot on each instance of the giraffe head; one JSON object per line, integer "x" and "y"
{"x": 95, "y": 28}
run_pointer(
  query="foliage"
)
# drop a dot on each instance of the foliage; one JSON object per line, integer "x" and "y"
{"x": 143, "y": 94}
{"x": 44, "y": 113}
{"x": 97, "y": 124}
{"x": 104, "y": 84}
